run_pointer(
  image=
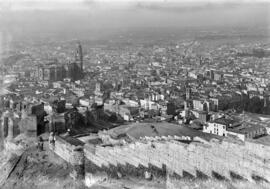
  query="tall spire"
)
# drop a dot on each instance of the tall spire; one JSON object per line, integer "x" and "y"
{"x": 79, "y": 55}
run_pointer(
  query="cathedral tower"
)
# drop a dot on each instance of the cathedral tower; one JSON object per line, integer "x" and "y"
{"x": 79, "y": 56}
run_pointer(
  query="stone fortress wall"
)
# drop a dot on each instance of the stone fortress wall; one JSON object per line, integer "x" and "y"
{"x": 68, "y": 151}
{"x": 219, "y": 157}
{"x": 72, "y": 154}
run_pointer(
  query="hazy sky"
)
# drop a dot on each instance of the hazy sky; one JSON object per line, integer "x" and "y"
{"x": 75, "y": 4}
{"x": 62, "y": 16}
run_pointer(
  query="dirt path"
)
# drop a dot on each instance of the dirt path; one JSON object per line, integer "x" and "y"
{"x": 39, "y": 169}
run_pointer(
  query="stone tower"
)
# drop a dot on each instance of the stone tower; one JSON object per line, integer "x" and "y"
{"x": 79, "y": 56}
{"x": 7, "y": 126}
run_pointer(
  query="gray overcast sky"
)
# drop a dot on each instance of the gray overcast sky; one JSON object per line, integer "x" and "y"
{"x": 75, "y": 4}
{"x": 102, "y": 15}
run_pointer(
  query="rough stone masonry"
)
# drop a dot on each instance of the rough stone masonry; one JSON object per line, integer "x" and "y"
{"x": 227, "y": 157}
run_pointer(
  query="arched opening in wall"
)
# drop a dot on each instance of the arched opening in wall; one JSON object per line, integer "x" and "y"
{"x": 257, "y": 178}
{"x": 200, "y": 175}
{"x": 235, "y": 176}
{"x": 187, "y": 175}
{"x": 218, "y": 176}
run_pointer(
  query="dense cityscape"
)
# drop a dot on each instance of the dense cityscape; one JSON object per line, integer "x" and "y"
{"x": 108, "y": 107}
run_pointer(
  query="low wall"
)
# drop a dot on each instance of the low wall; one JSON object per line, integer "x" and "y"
{"x": 73, "y": 154}
{"x": 70, "y": 153}
{"x": 223, "y": 158}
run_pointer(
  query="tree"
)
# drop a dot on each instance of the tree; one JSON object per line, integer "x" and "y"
{"x": 113, "y": 117}
{"x": 171, "y": 108}
{"x": 255, "y": 105}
